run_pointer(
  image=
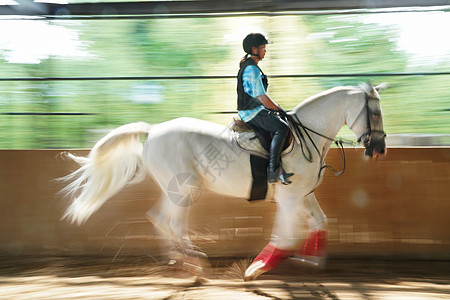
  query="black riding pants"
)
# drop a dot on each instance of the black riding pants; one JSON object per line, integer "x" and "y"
{"x": 269, "y": 121}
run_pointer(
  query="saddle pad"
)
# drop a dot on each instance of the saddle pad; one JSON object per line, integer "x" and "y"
{"x": 247, "y": 141}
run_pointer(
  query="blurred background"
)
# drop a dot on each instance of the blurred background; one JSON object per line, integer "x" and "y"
{"x": 65, "y": 81}
{"x": 71, "y": 71}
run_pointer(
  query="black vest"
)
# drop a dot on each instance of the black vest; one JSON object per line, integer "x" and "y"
{"x": 245, "y": 101}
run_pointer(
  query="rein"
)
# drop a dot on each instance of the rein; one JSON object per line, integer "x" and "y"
{"x": 339, "y": 142}
{"x": 308, "y": 155}
{"x": 296, "y": 126}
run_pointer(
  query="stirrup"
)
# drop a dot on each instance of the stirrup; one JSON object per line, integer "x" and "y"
{"x": 287, "y": 175}
{"x": 279, "y": 175}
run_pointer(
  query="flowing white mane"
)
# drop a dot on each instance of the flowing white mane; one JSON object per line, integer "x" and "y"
{"x": 321, "y": 95}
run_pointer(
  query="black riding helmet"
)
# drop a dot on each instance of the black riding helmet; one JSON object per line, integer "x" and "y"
{"x": 254, "y": 40}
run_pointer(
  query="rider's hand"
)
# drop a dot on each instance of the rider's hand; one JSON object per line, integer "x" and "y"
{"x": 282, "y": 112}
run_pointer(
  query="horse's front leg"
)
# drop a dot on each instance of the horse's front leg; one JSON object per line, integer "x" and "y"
{"x": 285, "y": 236}
{"x": 313, "y": 249}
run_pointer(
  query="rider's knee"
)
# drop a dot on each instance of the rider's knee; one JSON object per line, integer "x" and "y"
{"x": 284, "y": 130}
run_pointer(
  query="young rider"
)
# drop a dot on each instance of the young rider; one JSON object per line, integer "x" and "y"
{"x": 256, "y": 108}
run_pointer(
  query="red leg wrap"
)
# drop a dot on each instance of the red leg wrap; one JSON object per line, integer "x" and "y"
{"x": 271, "y": 257}
{"x": 315, "y": 244}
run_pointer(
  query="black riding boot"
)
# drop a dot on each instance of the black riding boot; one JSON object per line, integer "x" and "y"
{"x": 275, "y": 172}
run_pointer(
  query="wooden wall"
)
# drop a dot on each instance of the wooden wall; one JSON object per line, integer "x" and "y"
{"x": 397, "y": 207}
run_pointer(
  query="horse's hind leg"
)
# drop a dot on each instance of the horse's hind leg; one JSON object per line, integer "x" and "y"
{"x": 160, "y": 218}
{"x": 171, "y": 219}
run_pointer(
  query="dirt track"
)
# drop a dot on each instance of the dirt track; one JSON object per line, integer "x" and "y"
{"x": 143, "y": 278}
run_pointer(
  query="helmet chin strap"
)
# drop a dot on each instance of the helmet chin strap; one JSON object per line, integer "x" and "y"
{"x": 257, "y": 55}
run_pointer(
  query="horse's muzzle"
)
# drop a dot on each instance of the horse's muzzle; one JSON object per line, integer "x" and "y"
{"x": 376, "y": 148}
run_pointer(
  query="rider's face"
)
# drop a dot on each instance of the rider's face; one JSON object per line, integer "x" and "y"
{"x": 261, "y": 51}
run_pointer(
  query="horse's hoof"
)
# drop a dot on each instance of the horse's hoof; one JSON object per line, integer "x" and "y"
{"x": 195, "y": 253}
{"x": 313, "y": 261}
{"x": 313, "y": 250}
{"x": 255, "y": 269}
{"x": 192, "y": 267}
{"x": 189, "y": 260}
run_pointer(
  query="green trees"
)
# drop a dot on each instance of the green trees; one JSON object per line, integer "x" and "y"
{"x": 197, "y": 47}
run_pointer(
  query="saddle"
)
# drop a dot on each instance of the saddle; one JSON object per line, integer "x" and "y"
{"x": 257, "y": 143}
{"x": 255, "y": 140}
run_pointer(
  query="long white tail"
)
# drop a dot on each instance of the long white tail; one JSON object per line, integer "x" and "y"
{"x": 114, "y": 162}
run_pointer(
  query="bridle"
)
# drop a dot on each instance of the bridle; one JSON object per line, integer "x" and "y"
{"x": 366, "y": 137}
{"x": 297, "y": 126}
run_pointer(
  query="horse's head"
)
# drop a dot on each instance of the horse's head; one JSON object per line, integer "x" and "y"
{"x": 367, "y": 123}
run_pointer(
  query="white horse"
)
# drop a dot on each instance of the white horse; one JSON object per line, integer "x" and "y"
{"x": 184, "y": 155}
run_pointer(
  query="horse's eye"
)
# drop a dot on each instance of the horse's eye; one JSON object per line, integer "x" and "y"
{"x": 376, "y": 114}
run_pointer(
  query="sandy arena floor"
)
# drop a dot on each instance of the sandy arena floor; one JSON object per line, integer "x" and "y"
{"x": 143, "y": 278}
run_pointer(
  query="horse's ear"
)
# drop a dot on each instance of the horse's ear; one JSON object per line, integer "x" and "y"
{"x": 382, "y": 86}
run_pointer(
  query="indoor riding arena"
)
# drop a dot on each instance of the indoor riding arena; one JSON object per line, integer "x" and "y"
{"x": 388, "y": 236}
{"x": 388, "y": 222}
